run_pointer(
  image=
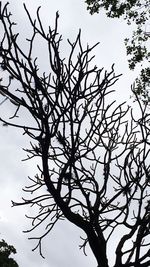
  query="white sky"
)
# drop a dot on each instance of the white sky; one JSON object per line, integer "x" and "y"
{"x": 61, "y": 247}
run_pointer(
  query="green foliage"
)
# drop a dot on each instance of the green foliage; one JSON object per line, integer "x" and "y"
{"x": 137, "y": 48}
{"x": 137, "y": 13}
{"x": 143, "y": 84}
{"x": 134, "y": 11}
{"x": 5, "y": 252}
{"x": 131, "y": 9}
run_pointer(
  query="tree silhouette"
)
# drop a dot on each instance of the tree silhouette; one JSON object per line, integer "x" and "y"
{"x": 94, "y": 155}
{"x": 5, "y": 252}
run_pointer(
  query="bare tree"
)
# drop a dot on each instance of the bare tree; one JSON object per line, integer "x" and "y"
{"x": 94, "y": 155}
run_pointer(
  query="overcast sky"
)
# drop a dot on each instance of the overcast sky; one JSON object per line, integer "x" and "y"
{"x": 61, "y": 247}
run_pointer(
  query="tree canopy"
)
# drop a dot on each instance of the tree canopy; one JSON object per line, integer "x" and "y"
{"x": 94, "y": 154}
{"x": 5, "y": 253}
{"x": 137, "y": 14}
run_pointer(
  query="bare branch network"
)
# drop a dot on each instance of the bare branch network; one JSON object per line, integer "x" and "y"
{"x": 94, "y": 155}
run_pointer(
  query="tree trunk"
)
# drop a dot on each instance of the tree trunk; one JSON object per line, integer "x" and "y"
{"x": 98, "y": 246}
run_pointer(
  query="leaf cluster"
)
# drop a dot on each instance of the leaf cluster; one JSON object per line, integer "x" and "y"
{"x": 5, "y": 252}
{"x": 137, "y": 14}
